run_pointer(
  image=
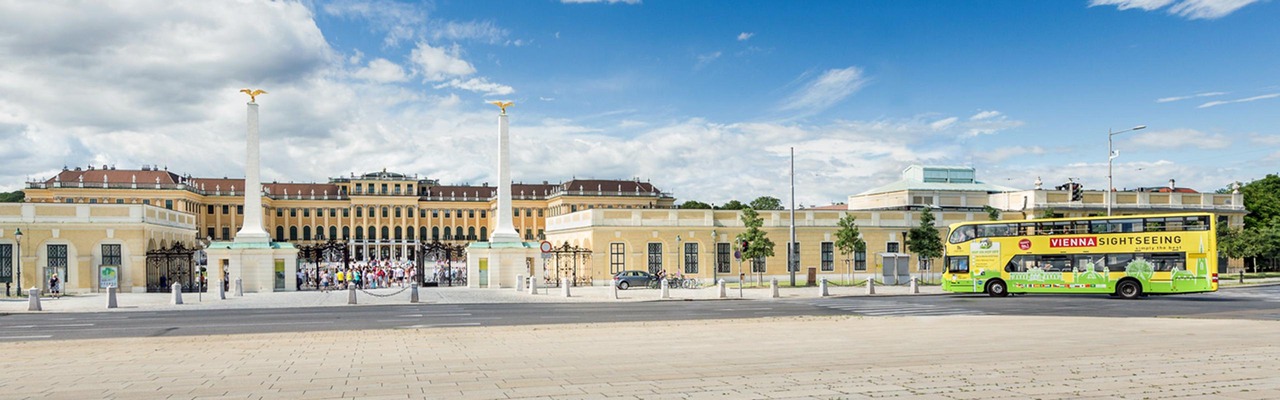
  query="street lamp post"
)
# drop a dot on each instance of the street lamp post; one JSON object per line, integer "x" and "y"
{"x": 1111, "y": 155}
{"x": 18, "y": 235}
{"x": 715, "y": 266}
{"x": 679, "y": 256}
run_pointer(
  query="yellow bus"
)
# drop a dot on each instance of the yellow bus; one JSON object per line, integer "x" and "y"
{"x": 1125, "y": 256}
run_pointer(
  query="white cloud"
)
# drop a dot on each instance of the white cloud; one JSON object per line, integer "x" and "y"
{"x": 437, "y": 64}
{"x": 1179, "y": 138}
{"x": 704, "y": 59}
{"x": 400, "y": 21}
{"x": 943, "y": 123}
{"x": 1265, "y": 140}
{"x": 1244, "y": 100}
{"x": 1189, "y": 9}
{"x": 478, "y": 85}
{"x": 1178, "y": 98}
{"x": 827, "y": 89}
{"x": 997, "y": 155}
{"x": 984, "y": 115}
{"x": 745, "y": 35}
{"x": 483, "y": 31}
{"x": 382, "y": 71}
{"x": 988, "y": 122}
{"x": 600, "y": 1}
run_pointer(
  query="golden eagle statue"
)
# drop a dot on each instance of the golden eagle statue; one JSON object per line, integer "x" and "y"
{"x": 502, "y": 105}
{"x": 253, "y": 94}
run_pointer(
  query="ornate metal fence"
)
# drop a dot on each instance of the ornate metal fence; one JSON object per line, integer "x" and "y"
{"x": 175, "y": 264}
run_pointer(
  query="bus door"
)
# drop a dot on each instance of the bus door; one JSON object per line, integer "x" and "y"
{"x": 959, "y": 274}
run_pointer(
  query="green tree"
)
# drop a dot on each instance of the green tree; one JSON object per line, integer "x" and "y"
{"x": 12, "y": 197}
{"x": 848, "y": 239}
{"x": 924, "y": 239}
{"x": 766, "y": 203}
{"x": 758, "y": 244}
{"x": 992, "y": 213}
{"x": 1262, "y": 199}
{"x": 695, "y": 205}
{"x": 733, "y": 205}
{"x": 1045, "y": 213}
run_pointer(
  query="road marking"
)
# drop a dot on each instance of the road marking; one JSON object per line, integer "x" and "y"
{"x": 46, "y": 326}
{"x": 409, "y": 316}
{"x": 440, "y": 325}
{"x": 745, "y": 309}
{"x": 25, "y": 337}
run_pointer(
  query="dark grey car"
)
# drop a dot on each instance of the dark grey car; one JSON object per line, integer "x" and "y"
{"x": 626, "y": 279}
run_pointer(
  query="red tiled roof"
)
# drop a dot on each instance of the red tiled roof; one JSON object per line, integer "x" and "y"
{"x": 115, "y": 176}
{"x": 607, "y": 185}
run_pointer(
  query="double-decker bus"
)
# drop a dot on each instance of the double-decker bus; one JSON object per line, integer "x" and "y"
{"x": 1125, "y": 256}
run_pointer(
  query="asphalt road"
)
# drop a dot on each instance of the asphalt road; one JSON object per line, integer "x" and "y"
{"x": 1258, "y": 303}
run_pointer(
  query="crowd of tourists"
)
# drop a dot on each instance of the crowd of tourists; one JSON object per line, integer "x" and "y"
{"x": 374, "y": 274}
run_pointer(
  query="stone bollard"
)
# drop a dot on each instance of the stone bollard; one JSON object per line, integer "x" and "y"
{"x": 239, "y": 287}
{"x": 564, "y": 286}
{"x": 871, "y": 286}
{"x": 773, "y": 287}
{"x": 33, "y": 300}
{"x": 533, "y": 285}
{"x": 822, "y": 288}
{"x": 176, "y": 289}
{"x": 222, "y": 294}
{"x": 519, "y": 283}
{"x": 613, "y": 290}
{"x": 720, "y": 283}
{"x": 665, "y": 292}
{"x": 915, "y": 289}
{"x": 111, "y": 297}
{"x": 413, "y": 292}
{"x": 351, "y": 294}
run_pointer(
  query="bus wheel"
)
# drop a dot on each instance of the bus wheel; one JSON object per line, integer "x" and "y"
{"x": 997, "y": 288}
{"x": 1129, "y": 289}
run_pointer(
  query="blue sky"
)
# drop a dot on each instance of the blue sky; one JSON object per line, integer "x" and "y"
{"x": 702, "y": 98}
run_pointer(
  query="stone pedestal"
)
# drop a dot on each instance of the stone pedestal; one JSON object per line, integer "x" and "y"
{"x": 499, "y": 265}
{"x": 254, "y": 264}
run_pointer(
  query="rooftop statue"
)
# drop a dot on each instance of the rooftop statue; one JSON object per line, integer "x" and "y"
{"x": 253, "y": 94}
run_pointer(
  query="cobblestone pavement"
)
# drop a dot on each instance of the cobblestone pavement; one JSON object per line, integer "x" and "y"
{"x": 948, "y": 357}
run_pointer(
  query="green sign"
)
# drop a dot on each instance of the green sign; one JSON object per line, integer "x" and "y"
{"x": 108, "y": 275}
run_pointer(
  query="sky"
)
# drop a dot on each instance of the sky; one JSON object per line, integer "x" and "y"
{"x": 705, "y": 99}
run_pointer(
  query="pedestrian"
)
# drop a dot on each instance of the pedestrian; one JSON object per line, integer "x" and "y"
{"x": 53, "y": 285}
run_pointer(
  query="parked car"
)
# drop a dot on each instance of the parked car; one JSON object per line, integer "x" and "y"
{"x": 626, "y": 279}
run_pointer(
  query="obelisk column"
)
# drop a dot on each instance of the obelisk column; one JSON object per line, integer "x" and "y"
{"x": 505, "y": 232}
{"x": 252, "y": 231}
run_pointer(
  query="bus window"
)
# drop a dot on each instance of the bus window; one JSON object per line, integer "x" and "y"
{"x": 1020, "y": 263}
{"x": 1200, "y": 223}
{"x": 1117, "y": 262}
{"x": 961, "y": 234}
{"x": 1027, "y": 229}
{"x": 1126, "y": 225}
{"x": 1082, "y": 263}
{"x": 1055, "y": 263}
{"x": 1100, "y": 226}
{"x": 1168, "y": 262}
{"x": 958, "y": 264}
{"x": 1153, "y": 225}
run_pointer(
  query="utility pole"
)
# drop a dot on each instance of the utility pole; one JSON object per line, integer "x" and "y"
{"x": 792, "y": 263}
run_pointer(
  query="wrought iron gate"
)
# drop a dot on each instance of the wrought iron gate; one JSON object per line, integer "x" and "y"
{"x": 567, "y": 261}
{"x": 176, "y": 264}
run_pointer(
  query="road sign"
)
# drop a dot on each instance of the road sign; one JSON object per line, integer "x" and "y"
{"x": 737, "y": 254}
{"x": 546, "y": 246}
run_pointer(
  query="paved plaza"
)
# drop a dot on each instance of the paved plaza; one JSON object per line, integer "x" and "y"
{"x": 959, "y": 357}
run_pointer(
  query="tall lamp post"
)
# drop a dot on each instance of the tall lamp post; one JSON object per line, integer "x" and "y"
{"x": 1111, "y": 155}
{"x": 679, "y": 256}
{"x": 18, "y": 235}
{"x": 715, "y": 260}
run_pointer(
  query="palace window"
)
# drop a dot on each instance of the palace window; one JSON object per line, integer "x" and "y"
{"x": 373, "y": 233}
{"x": 279, "y": 233}
{"x": 435, "y": 233}
{"x": 448, "y": 233}
{"x": 209, "y": 232}
{"x": 6, "y": 262}
{"x": 306, "y": 233}
{"x": 722, "y": 257}
{"x": 690, "y": 258}
{"x": 333, "y": 232}
{"x": 57, "y": 256}
{"x": 892, "y": 247}
{"x": 385, "y": 211}
{"x": 859, "y": 261}
{"x": 359, "y": 212}
{"x": 482, "y": 214}
{"x": 111, "y": 254}
{"x": 471, "y": 213}
{"x": 757, "y": 265}
{"x": 386, "y": 233}
{"x": 397, "y": 212}
{"x": 446, "y": 213}
{"x": 359, "y": 233}
{"x": 346, "y": 232}
{"x": 408, "y": 233}
{"x": 226, "y": 209}
{"x": 655, "y": 257}
{"x": 293, "y": 212}
{"x": 293, "y": 232}
{"x": 828, "y": 253}
{"x": 484, "y": 234}
{"x": 226, "y": 233}
{"x": 399, "y": 233}
{"x": 211, "y": 209}
{"x": 471, "y": 233}
{"x": 617, "y": 257}
{"x": 240, "y": 209}
{"x": 306, "y": 212}
{"x": 539, "y": 213}
{"x": 333, "y": 213}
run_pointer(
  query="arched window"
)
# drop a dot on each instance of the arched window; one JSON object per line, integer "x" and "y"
{"x": 280, "y": 233}
{"x": 386, "y": 233}
{"x": 359, "y": 212}
{"x": 293, "y": 233}
{"x": 346, "y": 233}
{"x": 458, "y": 233}
{"x": 399, "y": 232}
{"x": 435, "y": 233}
{"x": 319, "y": 232}
{"x": 471, "y": 233}
{"x": 359, "y": 233}
{"x": 447, "y": 233}
{"x": 333, "y": 232}
{"x": 422, "y": 233}
{"x": 408, "y": 233}
{"x": 306, "y": 233}
{"x": 373, "y": 233}
{"x": 484, "y": 234}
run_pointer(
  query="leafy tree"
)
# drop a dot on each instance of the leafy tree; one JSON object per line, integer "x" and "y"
{"x": 13, "y": 197}
{"x": 695, "y": 205}
{"x": 758, "y": 244}
{"x": 848, "y": 239}
{"x": 1262, "y": 199}
{"x": 924, "y": 240}
{"x": 766, "y": 203}
{"x": 733, "y": 205}
{"x": 1045, "y": 213}
{"x": 992, "y": 213}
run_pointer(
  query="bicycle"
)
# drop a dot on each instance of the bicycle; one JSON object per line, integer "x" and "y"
{"x": 691, "y": 283}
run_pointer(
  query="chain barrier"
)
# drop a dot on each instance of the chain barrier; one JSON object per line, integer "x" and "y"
{"x": 385, "y": 295}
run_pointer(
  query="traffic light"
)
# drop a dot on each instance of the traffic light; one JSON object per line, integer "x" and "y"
{"x": 744, "y": 246}
{"x": 1077, "y": 193}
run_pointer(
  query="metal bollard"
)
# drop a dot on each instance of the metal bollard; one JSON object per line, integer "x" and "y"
{"x": 613, "y": 290}
{"x": 533, "y": 286}
{"x": 564, "y": 285}
{"x": 111, "y": 297}
{"x": 871, "y": 286}
{"x": 822, "y": 288}
{"x": 222, "y": 294}
{"x": 33, "y": 299}
{"x": 720, "y": 283}
{"x": 773, "y": 287}
{"x": 519, "y": 283}
{"x": 176, "y": 290}
{"x": 413, "y": 292}
{"x": 665, "y": 293}
{"x": 915, "y": 289}
{"x": 1242, "y": 275}
{"x": 239, "y": 287}
{"x": 351, "y": 294}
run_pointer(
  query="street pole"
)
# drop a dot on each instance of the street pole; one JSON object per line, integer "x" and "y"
{"x": 1111, "y": 155}
{"x": 18, "y": 234}
{"x": 791, "y": 247}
